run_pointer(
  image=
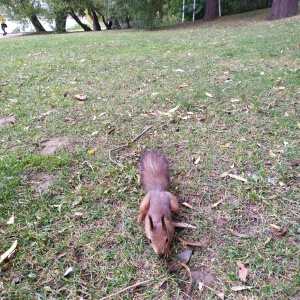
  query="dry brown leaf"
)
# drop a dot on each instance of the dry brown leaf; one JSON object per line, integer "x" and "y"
{"x": 225, "y": 174}
{"x": 268, "y": 240}
{"x": 188, "y": 205}
{"x": 216, "y": 204}
{"x": 242, "y": 271}
{"x": 219, "y": 294}
{"x": 280, "y": 233}
{"x": 80, "y": 97}
{"x": 183, "y": 225}
{"x": 275, "y": 227}
{"x": 241, "y": 235}
{"x": 272, "y": 154}
{"x": 196, "y": 244}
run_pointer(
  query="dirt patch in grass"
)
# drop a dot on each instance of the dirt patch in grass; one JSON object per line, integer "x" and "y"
{"x": 7, "y": 121}
{"x": 52, "y": 145}
{"x": 40, "y": 182}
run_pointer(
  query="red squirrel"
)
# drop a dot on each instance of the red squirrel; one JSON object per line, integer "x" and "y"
{"x": 159, "y": 203}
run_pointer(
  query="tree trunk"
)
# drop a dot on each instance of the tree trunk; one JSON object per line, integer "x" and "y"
{"x": 96, "y": 24}
{"x": 37, "y": 24}
{"x": 127, "y": 22}
{"x": 60, "y": 22}
{"x": 118, "y": 26}
{"x": 211, "y": 10}
{"x": 283, "y": 9}
{"x": 75, "y": 17}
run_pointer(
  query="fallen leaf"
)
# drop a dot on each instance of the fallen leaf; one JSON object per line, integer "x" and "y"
{"x": 173, "y": 109}
{"x": 188, "y": 205}
{"x": 196, "y": 244}
{"x": 227, "y": 145}
{"x": 179, "y": 70}
{"x": 80, "y": 97}
{"x": 94, "y": 133}
{"x": 8, "y": 252}
{"x": 281, "y": 233}
{"x": 183, "y": 225}
{"x": 174, "y": 266}
{"x": 68, "y": 271}
{"x": 197, "y": 160}
{"x": 219, "y": 294}
{"x": 242, "y": 271}
{"x": 241, "y": 288}
{"x": 208, "y": 95}
{"x": 238, "y": 177}
{"x": 241, "y": 235}
{"x": 216, "y": 204}
{"x": 200, "y": 286}
{"x": 184, "y": 257}
{"x": 268, "y": 240}
{"x": 281, "y": 88}
{"x": 182, "y": 86}
{"x": 11, "y": 220}
{"x": 275, "y": 227}
{"x": 272, "y": 154}
{"x": 160, "y": 283}
{"x": 225, "y": 174}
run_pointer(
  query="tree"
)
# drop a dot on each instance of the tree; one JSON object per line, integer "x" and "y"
{"x": 211, "y": 10}
{"x": 24, "y": 9}
{"x": 283, "y": 9}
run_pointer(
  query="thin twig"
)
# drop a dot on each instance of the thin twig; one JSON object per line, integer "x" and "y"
{"x": 126, "y": 145}
{"x": 128, "y": 288}
{"x": 191, "y": 278}
{"x": 146, "y": 130}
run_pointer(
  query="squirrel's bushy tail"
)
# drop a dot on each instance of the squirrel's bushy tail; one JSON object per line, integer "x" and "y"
{"x": 154, "y": 171}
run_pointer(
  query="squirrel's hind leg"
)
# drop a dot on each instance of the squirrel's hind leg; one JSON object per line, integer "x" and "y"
{"x": 144, "y": 207}
{"x": 174, "y": 204}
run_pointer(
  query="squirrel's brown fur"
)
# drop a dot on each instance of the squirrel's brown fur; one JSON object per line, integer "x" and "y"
{"x": 158, "y": 203}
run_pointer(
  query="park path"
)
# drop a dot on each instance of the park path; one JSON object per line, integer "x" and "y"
{"x": 9, "y": 35}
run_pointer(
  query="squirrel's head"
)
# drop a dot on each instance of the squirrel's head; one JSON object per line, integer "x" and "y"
{"x": 160, "y": 235}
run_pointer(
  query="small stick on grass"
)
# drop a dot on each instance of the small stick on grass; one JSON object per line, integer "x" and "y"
{"x": 129, "y": 287}
{"x": 125, "y": 145}
{"x": 191, "y": 278}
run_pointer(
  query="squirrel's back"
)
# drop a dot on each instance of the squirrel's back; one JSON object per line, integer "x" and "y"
{"x": 154, "y": 171}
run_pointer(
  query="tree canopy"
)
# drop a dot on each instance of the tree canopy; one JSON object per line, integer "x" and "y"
{"x": 145, "y": 14}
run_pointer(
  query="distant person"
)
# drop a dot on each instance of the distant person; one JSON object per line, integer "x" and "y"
{"x": 3, "y": 25}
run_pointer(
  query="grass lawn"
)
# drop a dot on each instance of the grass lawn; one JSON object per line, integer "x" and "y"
{"x": 223, "y": 100}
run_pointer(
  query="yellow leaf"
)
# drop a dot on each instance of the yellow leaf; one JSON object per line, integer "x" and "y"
{"x": 227, "y": 145}
{"x": 91, "y": 152}
{"x": 298, "y": 125}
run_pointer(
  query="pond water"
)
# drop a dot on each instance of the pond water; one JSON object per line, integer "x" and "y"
{"x": 16, "y": 27}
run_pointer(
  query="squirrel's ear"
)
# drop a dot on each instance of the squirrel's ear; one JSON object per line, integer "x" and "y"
{"x": 163, "y": 222}
{"x": 151, "y": 222}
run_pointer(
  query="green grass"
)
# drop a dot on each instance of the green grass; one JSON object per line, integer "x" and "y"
{"x": 87, "y": 217}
